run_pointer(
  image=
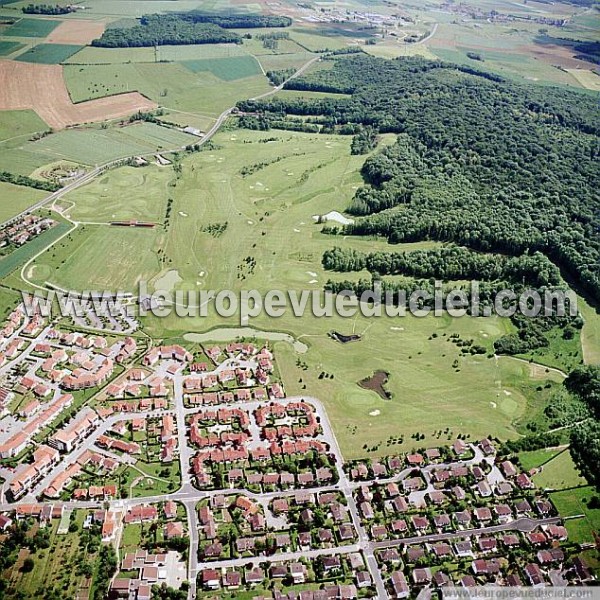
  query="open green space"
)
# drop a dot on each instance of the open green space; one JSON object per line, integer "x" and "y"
{"x": 8, "y": 47}
{"x": 92, "y": 55}
{"x": 169, "y": 84}
{"x": 49, "y": 54}
{"x": 32, "y": 28}
{"x": 21, "y": 255}
{"x": 99, "y": 257}
{"x": 572, "y": 503}
{"x": 117, "y": 196}
{"x": 532, "y": 459}
{"x": 559, "y": 473}
{"x": 228, "y": 69}
{"x": 16, "y": 124}
{"x": 97, "y": 146}
{"x": 267, "y": 187}
{"x": 17, "y": 198}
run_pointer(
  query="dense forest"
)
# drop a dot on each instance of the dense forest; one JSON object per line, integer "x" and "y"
{"x": 584, "y": 382}
{"x": 179, "y": 28}
{"x": 234, "y": 21}
{"x": 489, "y": 164}
{"x": 165, "y": 30}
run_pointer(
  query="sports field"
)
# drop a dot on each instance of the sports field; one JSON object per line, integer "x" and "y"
{"x": 123, "y": 194}
{"x": 48, "y": 54}
{"x": 266, "y": 187}
{"x": 32, "y": 28}
{"x": 17, "y": 198}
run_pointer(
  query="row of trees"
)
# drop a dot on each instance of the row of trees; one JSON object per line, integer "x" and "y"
{"x": 47, "y": 9}
{"x": 48, "y": 186}
{"x": 490, "y": 164}
{"x": 449, "y": 263}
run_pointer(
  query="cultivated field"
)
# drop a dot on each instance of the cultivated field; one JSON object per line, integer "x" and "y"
{"x": 167, "y": 84}
{"x": 48, "y": 54}
{"x": 32, "y": 28}
{"x": 588, "y": 79}
{"x": 7, "y": 47}
{"x": 571, "y": 503}
{"x": 228, "y": 69}
{"x": 76, "y": 31}
{"x": 42, "y": 88}
{"x": 19, "y": 123}
{"x": 97, "y": 146}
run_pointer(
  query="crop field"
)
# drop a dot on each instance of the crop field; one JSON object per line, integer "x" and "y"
{"x": 76, "y": 31}
{"x": 168, "y": 84}
{"x": 7, "y": 47}
{"x": 42, "y": 88}
{"x": 116, "y": 196}
{"x": 99, "y": 257}
{"x": 571, "y": 503}
{"x": 588, "y": 79}
{"x": 18, "y": 124}
{"x": 91, "y": 55}
{"x": 269, "y": 218}
{"x": 228, "y": 69}
{"x": 32, "y": 28}
{"x": 97, "y": 146}
{"x": 16, "y": 198}
{"x": 48, "y": 54}
{"x": 559, "y": 473}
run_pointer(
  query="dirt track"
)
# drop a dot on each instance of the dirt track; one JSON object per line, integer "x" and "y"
{"x": 76, "y": 31}
{"x": 42, "y": 88}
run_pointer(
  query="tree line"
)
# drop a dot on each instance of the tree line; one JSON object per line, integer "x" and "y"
{"x": 47, "y": 9}
{"x": 48, "y": 186}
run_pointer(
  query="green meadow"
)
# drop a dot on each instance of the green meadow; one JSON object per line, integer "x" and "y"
{"x": 49, "y": 54}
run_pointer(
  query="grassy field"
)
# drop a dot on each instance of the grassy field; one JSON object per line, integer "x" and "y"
{"x": 559, "y": 473}
{"x": 7, "y": 47}
{"x": 169, "y": 84}
{"x": 80, "y": 261}
{"x": 32, "y": 28}
{"x": 116, "y": 196}
{"x": 91, "y": 55}
{"x": 269, "y": 217}
{"x": 16, "y": 198}
{"x": 590, "y": 336}
{"x": 535, "y": 458}
{"x": 227, "y": 69}
{"x": 97, "y": 146}
{"x": 19, "y": 124}
{"x": 49, "y": 54}
{"x": 20, "y": 256}
{"x": 571, "y": 503}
